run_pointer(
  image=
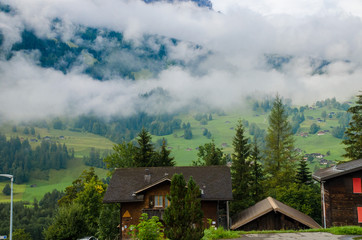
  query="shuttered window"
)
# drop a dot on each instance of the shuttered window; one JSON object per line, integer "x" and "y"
{"x": 357, "y": 185}
{"x": 359, "y": 213}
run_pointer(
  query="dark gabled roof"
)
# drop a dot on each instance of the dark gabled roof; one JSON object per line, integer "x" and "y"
{"x": 127, "y": 183}
{"x": 270, "y": 204}
{"x": 338, "y": 170}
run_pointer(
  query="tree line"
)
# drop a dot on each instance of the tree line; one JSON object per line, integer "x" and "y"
{"x": 126, "y": 129}
{"x": 276, "y": 171}
{"x": 18, "y": 158}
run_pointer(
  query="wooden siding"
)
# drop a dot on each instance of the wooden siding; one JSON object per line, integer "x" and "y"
{"x": 340, "y": 201}
{"x": 135, "y": 209}
{"x": 273, "y": 221}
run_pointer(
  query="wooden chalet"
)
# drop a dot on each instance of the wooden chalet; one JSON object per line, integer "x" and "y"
{"x": 144, "y": 190}
{"x": 341, "y": 194}
{"x": 270, "y": 214}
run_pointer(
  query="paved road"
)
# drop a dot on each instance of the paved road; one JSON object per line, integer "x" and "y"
{"x": 296, "y": 236}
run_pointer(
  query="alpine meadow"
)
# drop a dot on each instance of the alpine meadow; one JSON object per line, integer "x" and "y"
{"x": 208, "y": 108}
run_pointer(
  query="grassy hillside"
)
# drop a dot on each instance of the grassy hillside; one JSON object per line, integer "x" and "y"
{"x": 222, "y": 129}
{"x": 184, "y": 151}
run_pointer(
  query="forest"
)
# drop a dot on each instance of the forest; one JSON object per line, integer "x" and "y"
{"x": 18, "y": 158}
{"x": 274, "y": 168}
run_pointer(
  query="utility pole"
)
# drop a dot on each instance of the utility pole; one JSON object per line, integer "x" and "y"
{"x": 11, "y": 203}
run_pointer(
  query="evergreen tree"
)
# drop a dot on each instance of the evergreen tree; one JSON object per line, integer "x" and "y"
{"x": 164, "y": 158}
{"x": 7, "y": 189}
{"x": 183, "y": 218}
{"x": 145, "y": 153}
{"x": 353, "y": 133}
{"x": 32, "y": 131}
{"x": 26, "y": 130}
{"x": 279, "y": 163}
{"x": 303, "y": 175}
{"x": 195, "y": 229}
{"x": 176, "y": 215}
{"x": 257, "y": 175}
{"x": 314, "y": 128}
{"x": 240, "y": 171}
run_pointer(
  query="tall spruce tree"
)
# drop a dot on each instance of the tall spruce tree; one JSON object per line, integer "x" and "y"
{"x": 303, "y": 175}
{"x": 183, "y": 218}
{"x": 353, "y": 133}
{"x": 145, "y": 151}
{"x": 176, "y": 215}
{"x": 195, "y": 229}
{"x": 279, "y": 162}
{"x": 163, "y": 157}
{"x": 257, "y": 175}
{"x": 240, "y": 171}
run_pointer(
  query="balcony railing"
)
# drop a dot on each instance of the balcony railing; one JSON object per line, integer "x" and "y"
{"x": 154, "y": 212}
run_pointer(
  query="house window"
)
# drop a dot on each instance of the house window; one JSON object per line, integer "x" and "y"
{"x": 158, "y": 201}
{"x": 359, "y": 213}
{"x": 357, "y": 185}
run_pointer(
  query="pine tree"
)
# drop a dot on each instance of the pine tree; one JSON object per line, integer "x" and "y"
{"x": 164, "y": 158}
{"x": 257, "y": 175}
{"x": 176, "y": 216}
{"x": 303, "y": 175}
{"x": 240, "y": 171}
{"x": 279, "y": 162}
{"x": 353, "y": 133}
{"x": 7, "y": 189}
{"x": 145, "y": 152}
{"x": 195, "y": 229}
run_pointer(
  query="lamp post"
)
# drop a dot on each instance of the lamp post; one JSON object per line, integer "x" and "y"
{"x": 11, "y": 204}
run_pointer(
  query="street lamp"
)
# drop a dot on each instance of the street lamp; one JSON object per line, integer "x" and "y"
{"x": 11, "y": 204}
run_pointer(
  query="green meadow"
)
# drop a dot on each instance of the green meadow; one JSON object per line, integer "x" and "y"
{"x": 184, "y": 151}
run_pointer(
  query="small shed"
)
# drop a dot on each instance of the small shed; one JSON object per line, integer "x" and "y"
{"x": 271, "y": 214}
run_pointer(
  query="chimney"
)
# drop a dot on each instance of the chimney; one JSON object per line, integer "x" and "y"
{"x": 147, "y": 175}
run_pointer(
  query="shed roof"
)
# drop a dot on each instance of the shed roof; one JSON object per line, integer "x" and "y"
{"x": 270, "y": 204}
{"x": 127, "y": 183}
{"x": 338, "y": 170}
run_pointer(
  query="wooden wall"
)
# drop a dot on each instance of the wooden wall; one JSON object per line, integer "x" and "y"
{"x": 340, "y": 201}
{"x": 210, "y": 208}
{"x": 273, "y": 221}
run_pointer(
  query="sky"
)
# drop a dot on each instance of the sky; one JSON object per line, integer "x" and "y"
{"x": 239, "y": 33}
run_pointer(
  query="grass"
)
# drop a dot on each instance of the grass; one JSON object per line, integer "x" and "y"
{"x": 58, "y": 179}
{"x": 220, "y": 233}
{"x": 17, "y": 192}
{"x": 221, "y": 127}
{"x": 184, "y": 151}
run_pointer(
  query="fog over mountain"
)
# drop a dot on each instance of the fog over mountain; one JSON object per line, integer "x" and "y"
{"x": 164, "y": 57}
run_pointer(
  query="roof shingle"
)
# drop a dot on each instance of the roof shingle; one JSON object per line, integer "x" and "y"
{"x": 338, "y": 170}
{"x": 215, "y": 181}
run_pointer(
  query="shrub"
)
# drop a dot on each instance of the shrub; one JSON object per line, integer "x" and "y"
{"x": 218, "y": 233}
{"x": 147, "y": 229}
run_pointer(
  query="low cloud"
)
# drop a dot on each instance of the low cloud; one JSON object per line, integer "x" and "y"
{"x": 239, "y": 37}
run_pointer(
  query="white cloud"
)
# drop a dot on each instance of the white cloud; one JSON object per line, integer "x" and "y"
{"x": 239, "y": 37}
